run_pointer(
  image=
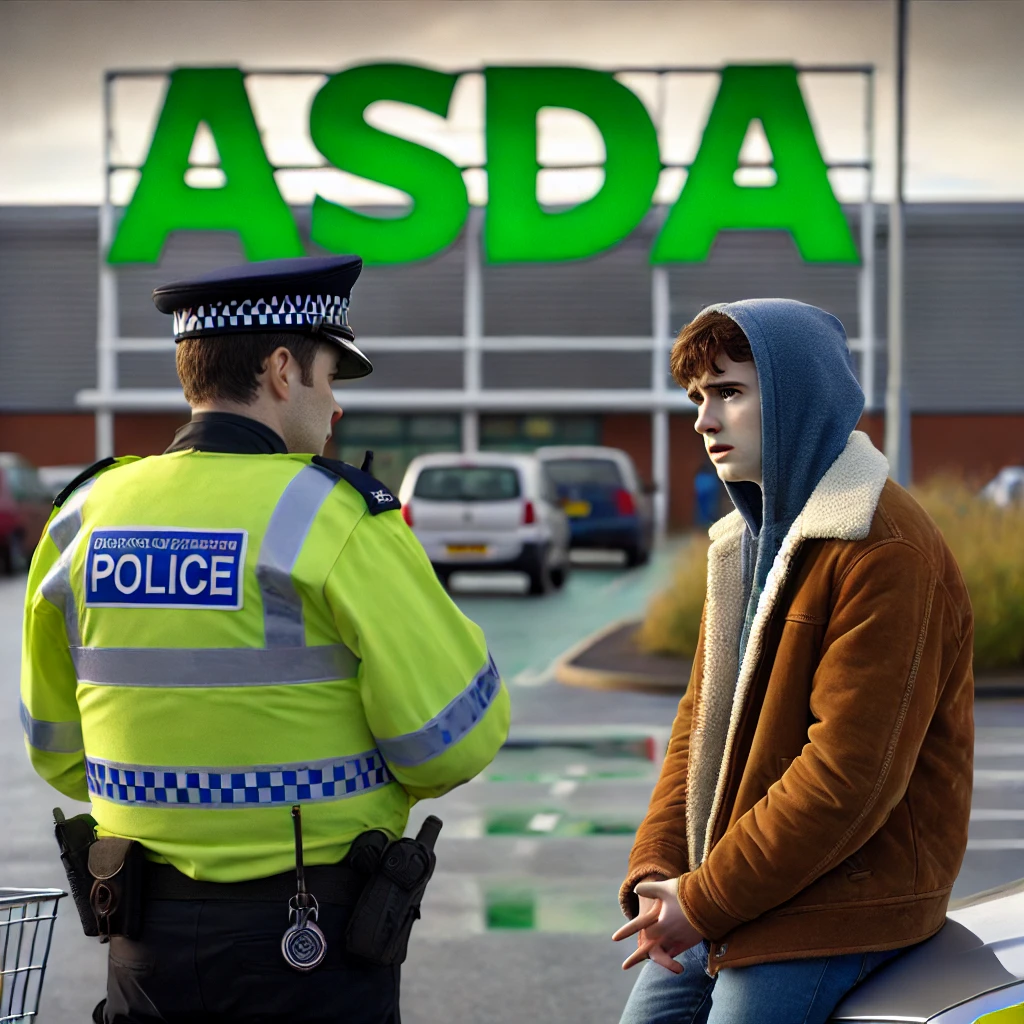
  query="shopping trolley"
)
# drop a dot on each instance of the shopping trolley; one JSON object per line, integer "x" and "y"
{"x": 26, "y": 928}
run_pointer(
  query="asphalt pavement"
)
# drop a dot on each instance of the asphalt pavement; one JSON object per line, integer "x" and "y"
{"x": 517, "y": 919}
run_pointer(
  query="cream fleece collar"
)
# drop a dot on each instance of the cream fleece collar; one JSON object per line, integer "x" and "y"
{"x": 841, "y": 507}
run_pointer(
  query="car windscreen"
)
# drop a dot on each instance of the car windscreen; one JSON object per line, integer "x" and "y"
{"x": 467, "y": 483}
{"x": 577, "y": 472}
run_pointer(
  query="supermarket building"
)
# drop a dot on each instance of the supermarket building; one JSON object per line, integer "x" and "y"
{"x": 472, "y": 353}
{"x": 562, "y": 353}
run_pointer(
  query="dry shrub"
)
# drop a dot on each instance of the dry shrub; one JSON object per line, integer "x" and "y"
{"x": 987, "y": 541}
{"x": 673, "y": 616}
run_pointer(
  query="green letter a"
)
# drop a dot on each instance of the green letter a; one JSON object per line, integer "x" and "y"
{"x": 801, "y": 201}
{"x": 248, "y": 203}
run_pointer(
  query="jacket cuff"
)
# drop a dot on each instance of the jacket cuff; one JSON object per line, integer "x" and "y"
{"x": 652, "y": 858}
{"x": 627, "y": 898}
{"x": 701, "y": 907}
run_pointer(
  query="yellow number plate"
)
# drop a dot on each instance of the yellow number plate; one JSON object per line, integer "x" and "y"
{"x": 467, "y": 549}
{"x": 577, "y": 509}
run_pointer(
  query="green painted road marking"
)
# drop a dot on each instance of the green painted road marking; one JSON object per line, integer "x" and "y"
{"x": 527, "y": 634}
{"x": 585, "y": 907}
{"x": 555, "y": 823}
{"x": 506, "y": 910}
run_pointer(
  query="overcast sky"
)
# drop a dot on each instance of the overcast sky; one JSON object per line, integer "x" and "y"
{"x": 966, "y": 74}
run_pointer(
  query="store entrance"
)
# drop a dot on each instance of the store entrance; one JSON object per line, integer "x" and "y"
{"x": 397, "y": 439}
{"x": 525, "y": 433}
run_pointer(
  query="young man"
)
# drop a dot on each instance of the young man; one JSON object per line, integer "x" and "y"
{"x": 812, "y": 810}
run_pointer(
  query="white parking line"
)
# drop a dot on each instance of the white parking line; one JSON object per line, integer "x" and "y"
{"x": 988, "y": 778}
{"x": 543, "y": 822}
{"x": 997, "y": 814}
{"x": 532, "y": 677}
{"x": 995, "y": 844}
{"x": 999, "y": 750}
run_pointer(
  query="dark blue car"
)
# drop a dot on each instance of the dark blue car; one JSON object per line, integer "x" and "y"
{"x": 602, "y": 495}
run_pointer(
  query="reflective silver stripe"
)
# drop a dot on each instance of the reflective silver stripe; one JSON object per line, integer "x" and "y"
{"x": 296, "y": 509}
{"x": 68, "y": 521}
{"x": 447, "y": 728}
{"x": 54, "y": 737}
{"x": 217, "y": 666}
{"x": 56, "y": 588}
{"x": 64, "y": 531}
{"x": 261, "y": 785}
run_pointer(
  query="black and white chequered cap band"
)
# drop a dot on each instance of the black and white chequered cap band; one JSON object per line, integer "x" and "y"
{"x": 290, "y": 310}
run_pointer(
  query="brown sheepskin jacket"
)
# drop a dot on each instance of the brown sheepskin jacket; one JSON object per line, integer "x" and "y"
{"x": 815, "y": 799}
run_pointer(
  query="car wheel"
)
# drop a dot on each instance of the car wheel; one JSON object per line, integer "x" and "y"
{"x": 541, "y": 576}
{"x": 560, "y": 575}
{"x": 637, "y": 554}
{"x": 15, "y": 556}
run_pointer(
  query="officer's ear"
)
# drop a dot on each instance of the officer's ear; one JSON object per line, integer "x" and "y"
{"x": 278, "y": 370}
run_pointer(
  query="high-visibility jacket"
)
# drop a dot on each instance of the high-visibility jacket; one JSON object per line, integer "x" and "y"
{"x": 211, "y": 638}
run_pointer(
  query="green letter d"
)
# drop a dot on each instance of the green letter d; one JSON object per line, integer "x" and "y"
{"x": 517, "y": 229}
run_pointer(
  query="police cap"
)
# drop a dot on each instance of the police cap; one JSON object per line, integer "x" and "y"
{"x": 308, "y": 295}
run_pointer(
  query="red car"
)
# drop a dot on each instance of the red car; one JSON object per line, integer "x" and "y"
{"x": 25, "y": 505}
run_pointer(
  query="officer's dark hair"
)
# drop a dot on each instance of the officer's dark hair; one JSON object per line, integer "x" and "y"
{"x": 226, "y": 367}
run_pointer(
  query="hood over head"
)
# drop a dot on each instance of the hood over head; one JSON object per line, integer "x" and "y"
{"x": 810, "y": 403}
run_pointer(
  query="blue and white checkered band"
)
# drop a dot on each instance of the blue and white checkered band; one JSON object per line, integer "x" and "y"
{"x": 288, "y": 311}
{"x": 259, "y": 785}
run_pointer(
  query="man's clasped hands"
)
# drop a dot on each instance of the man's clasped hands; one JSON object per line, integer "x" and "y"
{"x": 662, "y": 928}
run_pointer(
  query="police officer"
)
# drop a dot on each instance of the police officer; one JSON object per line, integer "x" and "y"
{"x": 237, "y": 626}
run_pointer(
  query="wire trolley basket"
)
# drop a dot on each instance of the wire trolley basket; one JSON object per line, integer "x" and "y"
{"x": 26, "y": 928}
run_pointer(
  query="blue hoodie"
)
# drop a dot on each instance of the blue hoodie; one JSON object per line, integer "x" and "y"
{"x": 810, "y": 402}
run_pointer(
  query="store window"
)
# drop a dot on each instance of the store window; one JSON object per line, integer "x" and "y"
{"x": 395, "y": 440}
{"x": 524, "y": 433}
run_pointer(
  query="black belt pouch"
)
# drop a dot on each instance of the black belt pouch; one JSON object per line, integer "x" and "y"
{"x": 116, "y": 866}
{"x": 378, "y": 930}
{"x": 74, "y": 837}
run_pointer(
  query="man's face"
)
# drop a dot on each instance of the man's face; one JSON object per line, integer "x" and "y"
{"x": 729, "y": 419}
{"x": 312, "y": 411}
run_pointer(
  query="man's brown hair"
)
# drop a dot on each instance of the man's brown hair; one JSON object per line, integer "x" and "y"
{"x": 226, "y": 367}
{"x": 702, "y": 341}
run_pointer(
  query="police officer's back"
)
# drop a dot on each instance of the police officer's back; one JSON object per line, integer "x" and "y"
{"x": 238, "y": 626}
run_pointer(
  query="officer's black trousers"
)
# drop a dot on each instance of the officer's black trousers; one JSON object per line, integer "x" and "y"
{"x": 208, "y": 960}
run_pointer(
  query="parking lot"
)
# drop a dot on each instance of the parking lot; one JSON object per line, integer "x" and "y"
{"x": 517, "y": 921}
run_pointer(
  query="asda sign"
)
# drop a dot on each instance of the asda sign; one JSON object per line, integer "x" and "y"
{"x": 517, "y": 227}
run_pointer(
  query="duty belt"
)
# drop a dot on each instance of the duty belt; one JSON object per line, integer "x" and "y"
{"x": 332, "y": 883}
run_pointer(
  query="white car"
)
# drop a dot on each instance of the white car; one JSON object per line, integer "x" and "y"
{"x": 487, "y": 511}
{"x": 1007, "y": 488}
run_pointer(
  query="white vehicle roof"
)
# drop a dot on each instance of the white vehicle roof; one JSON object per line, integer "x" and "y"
{"x": 558, "y": 452}
{"x": 580, "y": 451}
{"x": 514, "y": 460}
{"x": 528, "y": 467}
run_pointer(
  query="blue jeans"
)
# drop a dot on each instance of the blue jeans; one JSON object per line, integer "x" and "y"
{"x": 789, "y": 992}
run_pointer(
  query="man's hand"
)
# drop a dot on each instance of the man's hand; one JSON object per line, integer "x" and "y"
{"x": 662, "y": 928}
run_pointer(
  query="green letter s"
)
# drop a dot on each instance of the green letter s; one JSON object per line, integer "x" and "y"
{"x": 517, "y": 229}
{"x": 248, "y": 203}
{"x": 801, "y": 200}
{"x": 440, "y": 203}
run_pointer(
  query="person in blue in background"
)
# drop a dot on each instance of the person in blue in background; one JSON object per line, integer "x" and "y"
{"x": 707, "y": 490}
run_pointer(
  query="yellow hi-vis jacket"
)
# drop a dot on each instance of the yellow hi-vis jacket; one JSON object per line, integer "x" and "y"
{"x": 211, "y": 638}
